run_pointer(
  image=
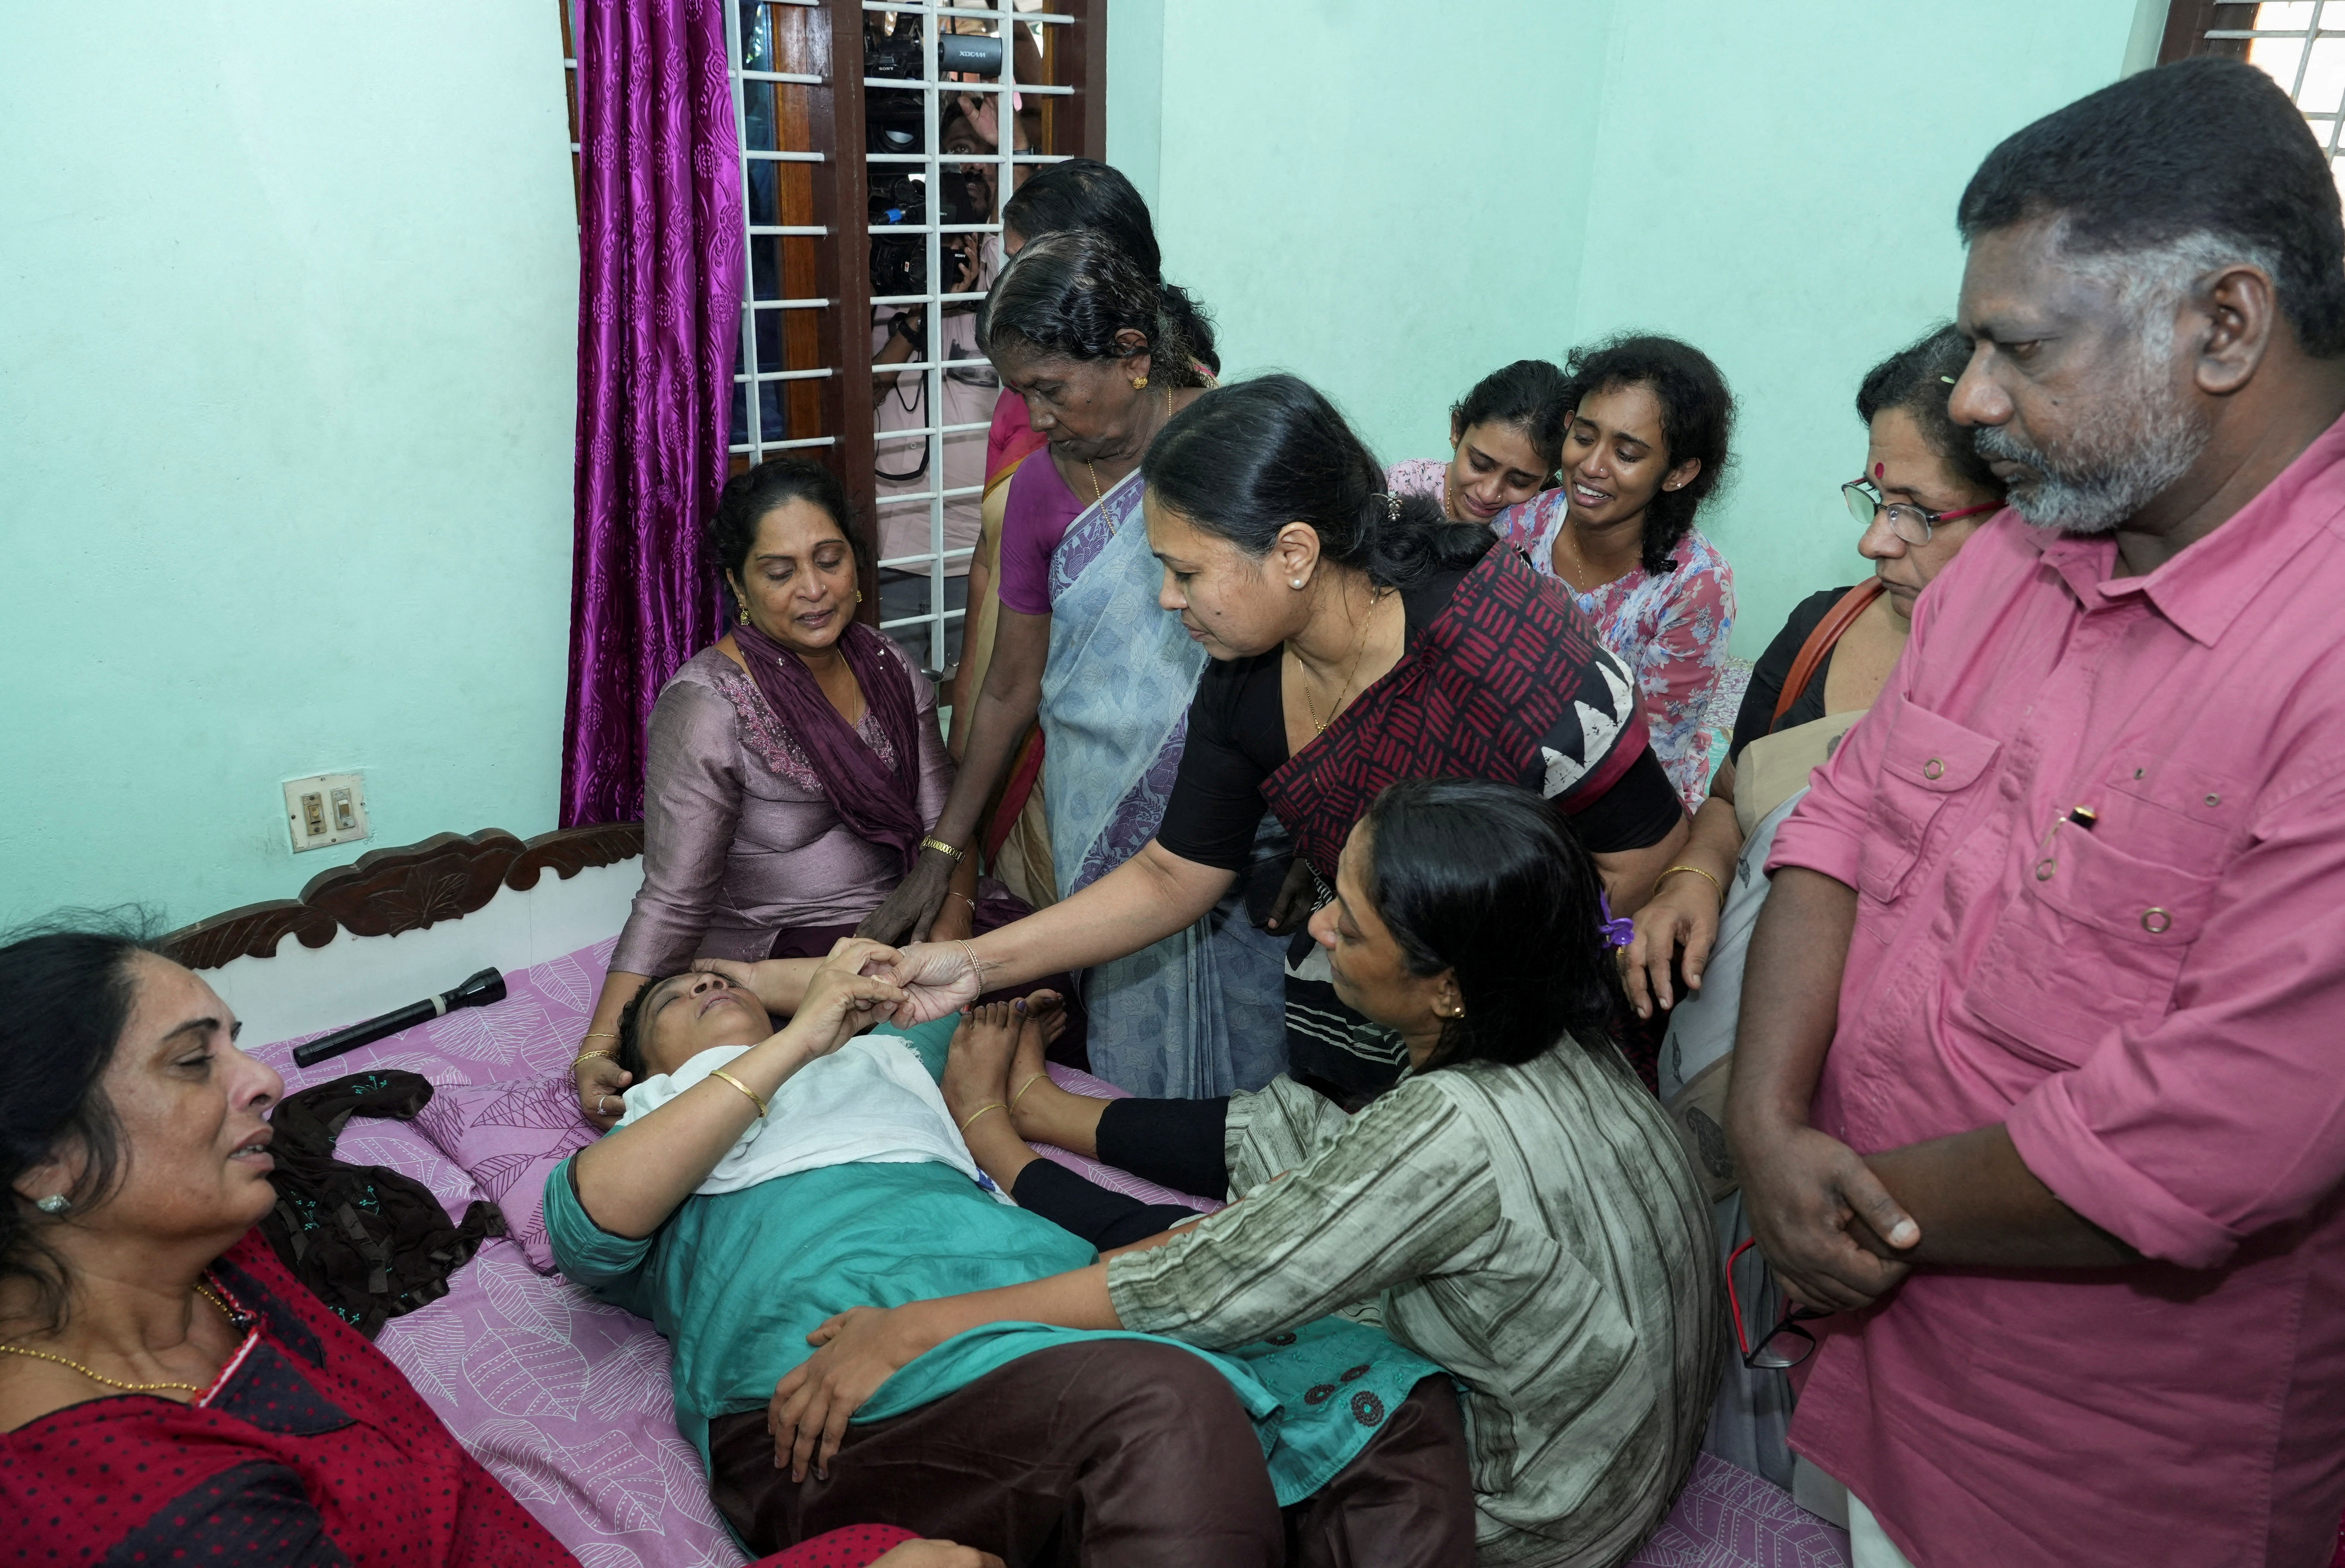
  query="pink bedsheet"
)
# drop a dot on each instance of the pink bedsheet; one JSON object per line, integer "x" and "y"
{"x": 566, "y": 1399}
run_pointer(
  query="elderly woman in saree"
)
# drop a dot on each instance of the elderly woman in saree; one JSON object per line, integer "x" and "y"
{"x": 765, "y": 1179}
{"x": 1092, "y": 342}
{"x": 1079, "y": 193}
{"x": 1517, "y": 1207}
{"x": 1356, "y": 637}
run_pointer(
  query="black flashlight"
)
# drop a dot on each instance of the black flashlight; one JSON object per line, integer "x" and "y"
{"x": 481, "y": 989}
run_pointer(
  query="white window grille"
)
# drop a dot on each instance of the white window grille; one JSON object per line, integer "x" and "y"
{"x": 934, "y": 446}
{"x": 2300, "y": 44}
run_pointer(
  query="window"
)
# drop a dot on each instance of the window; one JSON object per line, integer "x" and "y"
{"x": 874, "y": 205}
{"x": 2300, "y": 44}
{"x": 871, "y": 198}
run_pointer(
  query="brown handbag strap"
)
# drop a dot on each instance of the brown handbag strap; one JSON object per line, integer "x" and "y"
{"x": 1837, "y": 619}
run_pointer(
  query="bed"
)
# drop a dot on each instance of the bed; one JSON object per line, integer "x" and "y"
{"x": 564, "y": 1399}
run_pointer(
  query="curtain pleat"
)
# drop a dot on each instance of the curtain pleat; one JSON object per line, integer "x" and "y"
{"x": 661, "y": 248}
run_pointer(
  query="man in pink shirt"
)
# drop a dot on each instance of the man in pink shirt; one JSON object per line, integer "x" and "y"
{"x": 2040, "y": 1081}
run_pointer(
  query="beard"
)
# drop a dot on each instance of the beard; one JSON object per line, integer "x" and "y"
{"x": 2125, "y": 453}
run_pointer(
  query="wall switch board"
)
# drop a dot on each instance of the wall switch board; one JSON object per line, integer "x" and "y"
{"x": 326, "y": 809}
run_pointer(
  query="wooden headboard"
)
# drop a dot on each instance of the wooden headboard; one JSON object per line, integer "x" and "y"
{"x": 411, "y": 888}
{"x": 352, "y": 916}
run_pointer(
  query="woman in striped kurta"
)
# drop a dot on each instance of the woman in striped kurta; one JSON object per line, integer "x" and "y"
{"x": 1517, "y": 1208}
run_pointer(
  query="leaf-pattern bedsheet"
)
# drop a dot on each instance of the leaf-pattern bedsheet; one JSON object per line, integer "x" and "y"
{"x": 566, "y": 1401}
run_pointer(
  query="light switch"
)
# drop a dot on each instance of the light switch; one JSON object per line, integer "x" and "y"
{"x": 325, "y": 809}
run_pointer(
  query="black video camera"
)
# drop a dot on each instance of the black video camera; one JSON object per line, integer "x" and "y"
{"x": 900, "y": 54}
{"x": 899, "y": 265}
{"x": 892, "y": 119}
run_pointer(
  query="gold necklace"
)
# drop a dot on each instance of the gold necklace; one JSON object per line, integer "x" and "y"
{"x": 1097, "y": 496}
{"x": 1449, "y": 506}
{"x": 116, "y": 1382}
{"x": 1336, "y": 707}
{"x": 1584, "y": 572}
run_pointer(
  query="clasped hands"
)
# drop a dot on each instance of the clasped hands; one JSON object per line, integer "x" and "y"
{"x": 859, "y": 983}
{"x": 935, "y": 978}
{"x": 1835, "y": 1236}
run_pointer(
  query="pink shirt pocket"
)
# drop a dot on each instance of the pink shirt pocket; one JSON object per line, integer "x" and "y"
{"x": 1927, "y": 760}
{"x": 2096, "y": 934}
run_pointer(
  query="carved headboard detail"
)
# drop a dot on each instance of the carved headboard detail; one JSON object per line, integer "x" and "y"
{"x": 386, "y": 892}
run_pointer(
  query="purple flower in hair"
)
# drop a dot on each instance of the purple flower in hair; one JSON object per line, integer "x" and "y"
{"x": 1616, "y": 932}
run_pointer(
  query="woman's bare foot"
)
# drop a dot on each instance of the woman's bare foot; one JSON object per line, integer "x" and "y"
{"x": 1042, "y": 1111}
{"x": 976, "y": 1089}
{"x": 1051, "y": 1008}
{"x": 977, "y": 1062}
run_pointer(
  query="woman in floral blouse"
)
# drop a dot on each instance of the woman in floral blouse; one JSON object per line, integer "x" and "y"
{"x": 1646, "y": 445}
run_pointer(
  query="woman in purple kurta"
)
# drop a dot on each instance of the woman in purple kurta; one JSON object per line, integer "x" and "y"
{"x": 793, "y": 769}
{"x": 742, "y": 841}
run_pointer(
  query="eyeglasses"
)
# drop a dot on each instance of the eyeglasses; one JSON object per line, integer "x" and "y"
{"x": 1784, "y": 1346}
{"x": 1908, "y": 521}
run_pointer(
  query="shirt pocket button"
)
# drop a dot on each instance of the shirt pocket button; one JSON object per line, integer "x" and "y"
{"x": 1934, "y": 768}
{"x": 2156, "y": 920}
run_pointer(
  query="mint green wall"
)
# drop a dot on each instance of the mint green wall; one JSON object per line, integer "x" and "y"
{"x": 1135, "y": 90}
{"x": 1392, "y": 199}
{"x": 1778, "y": 187}
{"x": 288, "y": 302}
{"x": 1382, "y": 195}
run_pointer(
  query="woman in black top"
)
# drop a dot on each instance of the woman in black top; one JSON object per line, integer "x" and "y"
{"x": 1924, "y": 492}
{"x": 1358, "y": 638}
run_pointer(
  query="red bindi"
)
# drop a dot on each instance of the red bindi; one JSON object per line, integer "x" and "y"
{"x": 1877, "y": 471}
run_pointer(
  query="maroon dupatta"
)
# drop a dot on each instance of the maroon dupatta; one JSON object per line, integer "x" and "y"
{"x": 878, "y": 804}
{"x": 1477, "y": 698}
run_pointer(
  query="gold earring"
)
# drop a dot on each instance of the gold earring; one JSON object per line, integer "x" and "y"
{"x": 858, "y": 595}
{"x": 1139, "y": 383}
{"x": 744, "y": 614}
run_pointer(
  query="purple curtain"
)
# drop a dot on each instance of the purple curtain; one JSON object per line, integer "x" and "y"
{"x": 661, "y": 252}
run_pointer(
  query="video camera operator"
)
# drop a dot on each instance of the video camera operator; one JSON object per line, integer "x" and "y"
{"x": 970, "y": 262}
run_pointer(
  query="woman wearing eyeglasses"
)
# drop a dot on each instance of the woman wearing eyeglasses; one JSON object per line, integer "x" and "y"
{"x": 1923, "y": 491}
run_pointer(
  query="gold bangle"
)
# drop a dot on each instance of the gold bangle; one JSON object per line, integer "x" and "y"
{"x": 599, "y": 1034}
{"x": 1697, "y": 871}
{"x": 1022, "y": 1088}
{"x": 957, "y": 893}
{"x": 989, "y": 1105}
{"x": 721, "y": 1072}
{"x": 942, "y": 848}
{"x": 585, "y": 1056}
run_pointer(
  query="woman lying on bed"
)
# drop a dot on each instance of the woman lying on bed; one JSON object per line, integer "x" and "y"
{"x": 762, "y": 1181}
{"x": 1518, "y": 1205}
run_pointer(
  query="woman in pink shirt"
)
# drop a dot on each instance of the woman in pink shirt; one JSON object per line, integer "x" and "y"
{"x": 1646, "y": 445}
{"x": 1505, "y": 439}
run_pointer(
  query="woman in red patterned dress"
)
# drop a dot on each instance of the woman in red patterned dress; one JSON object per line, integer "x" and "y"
{"x": 168, "y": 1391}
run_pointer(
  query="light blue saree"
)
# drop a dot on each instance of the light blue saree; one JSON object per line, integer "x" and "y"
{"x": 1203, "y": 1012}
